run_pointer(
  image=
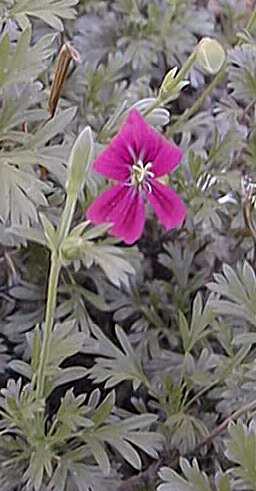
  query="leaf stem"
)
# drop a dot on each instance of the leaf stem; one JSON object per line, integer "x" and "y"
{"x": 200, "y": 393}
{"x": 250, "y": 26}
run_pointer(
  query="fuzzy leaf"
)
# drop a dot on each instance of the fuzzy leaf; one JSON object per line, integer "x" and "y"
{"x": 23, "y": 63}
{"x": 50, "y": 11}
{"x": 114, "y": 365}
{"x": 241, "y": 449}
{"x": 195, "y": 479}
{"x": 21, "y": 192}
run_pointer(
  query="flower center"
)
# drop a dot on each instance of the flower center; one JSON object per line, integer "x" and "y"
{"x": 141, "y": 175}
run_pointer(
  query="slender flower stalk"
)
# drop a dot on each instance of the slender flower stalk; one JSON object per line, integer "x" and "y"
{"x": 49, "y": 319}
{"x": 55, "y": 267}
{"x": 250, "y": 26}
{"x": 79, "y": 161}
{"x": 185, "y": 69}
{"x": 218, "y": 79}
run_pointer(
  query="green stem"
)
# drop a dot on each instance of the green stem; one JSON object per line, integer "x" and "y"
{"x": 49, "y": 319}
{"x": 66, "y": 218}
{"x": 175, "y": 128}
{"x": 55, "y": 268}
{"x": 250, "y": 25}
{"x": 151, "y": 108}
{"x": 200, "y": 393}
{"x": 185, "y": 69}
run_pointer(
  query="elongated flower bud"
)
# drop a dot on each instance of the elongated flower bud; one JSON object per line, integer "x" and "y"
{"x": 79, "y": 161}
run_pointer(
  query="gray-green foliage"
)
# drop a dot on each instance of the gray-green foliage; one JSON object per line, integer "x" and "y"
{"x": 153, "y": 345}
{"x": 195, "y": 480}
{"x": 50, "y": 11}
{"x": 240, "y": 450}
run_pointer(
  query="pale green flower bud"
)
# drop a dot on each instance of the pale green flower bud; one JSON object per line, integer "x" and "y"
{"x": 210, "y": 55}
{"x": 79, "y": 161}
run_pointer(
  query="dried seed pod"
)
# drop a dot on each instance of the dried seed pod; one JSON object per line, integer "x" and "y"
{"x": 66, "y": 54}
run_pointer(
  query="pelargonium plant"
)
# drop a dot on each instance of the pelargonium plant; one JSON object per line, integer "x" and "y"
{"x": 127, "y": 351}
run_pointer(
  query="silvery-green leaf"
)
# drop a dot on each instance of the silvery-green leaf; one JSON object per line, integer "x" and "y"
{"x": 23, "y": 63}
{"x": 50, "y": 11}
{"x": 21, "y": 367}
{"x": 69, "y": 374}
{"x": 20, "y": 194}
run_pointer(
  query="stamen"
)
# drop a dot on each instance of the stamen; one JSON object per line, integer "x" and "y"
{"x": 148, "y": 186}
{"x": 141, "y": 175}
{"x": 138, "y": 168}
{"x": 150, "y": 174}
{"x": 148, "y": 165}
{"x": 140, "y": 164}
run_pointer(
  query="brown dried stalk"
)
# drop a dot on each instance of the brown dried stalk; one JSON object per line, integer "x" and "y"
{"x": 66, "y": 55}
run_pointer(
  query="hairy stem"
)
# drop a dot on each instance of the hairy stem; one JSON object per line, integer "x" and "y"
{"x": 67, "y": 218}
{"x": 185, "y": 69}
{"x": 49, "y": 319}
{"x": 55, "y": 267}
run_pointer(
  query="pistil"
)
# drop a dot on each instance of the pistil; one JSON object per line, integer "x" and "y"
{"x": 141, "y": 175}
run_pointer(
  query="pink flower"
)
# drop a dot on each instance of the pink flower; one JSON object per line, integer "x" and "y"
{"x": 136, "y": 157}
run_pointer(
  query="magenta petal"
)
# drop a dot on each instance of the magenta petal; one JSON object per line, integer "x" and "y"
{"x": 104, "y": 209}
{"x": 151, "y": 145}
{"x": 137, "y": 140}
{"x": 168, "y": 206}
{"x": 131, "y": 218}
{"x": 122, "y": 206}
{"x": 167, "y": 159}
{"x": 114, "y": 162}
